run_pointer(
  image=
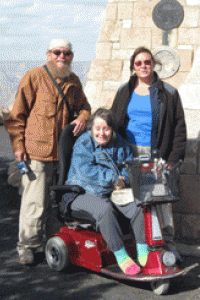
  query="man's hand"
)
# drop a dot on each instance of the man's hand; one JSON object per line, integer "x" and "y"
{"x": 80, "y": 126}
{"x": 20, "y": 155}
{"x": 120, "y": 184}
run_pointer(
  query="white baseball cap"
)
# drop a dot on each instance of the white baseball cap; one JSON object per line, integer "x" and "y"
{"x": 60, "y": 43}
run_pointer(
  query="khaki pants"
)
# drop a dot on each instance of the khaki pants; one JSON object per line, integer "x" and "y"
{"x": 34, "y": 204}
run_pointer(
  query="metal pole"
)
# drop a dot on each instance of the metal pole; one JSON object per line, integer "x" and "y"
{"x": 165, "y": 36}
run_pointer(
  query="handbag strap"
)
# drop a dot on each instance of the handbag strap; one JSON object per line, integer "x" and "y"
{"x": 60, "y": 91}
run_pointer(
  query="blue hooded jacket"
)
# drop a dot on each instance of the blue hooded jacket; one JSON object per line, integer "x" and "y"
{"x": 95, "y": 168}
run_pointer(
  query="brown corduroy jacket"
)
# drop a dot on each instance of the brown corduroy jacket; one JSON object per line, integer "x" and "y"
{"x": 39, "y": 113}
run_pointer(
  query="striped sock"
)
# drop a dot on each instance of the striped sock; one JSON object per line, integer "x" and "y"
{"x": 127, "y": 265}
{"x": 142, "y": 251}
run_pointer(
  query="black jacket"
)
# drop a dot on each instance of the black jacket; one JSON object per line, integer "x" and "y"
{"x": 171, "y": 135}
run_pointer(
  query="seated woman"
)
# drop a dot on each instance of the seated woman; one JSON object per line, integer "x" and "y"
{"x": 94, "y": 167}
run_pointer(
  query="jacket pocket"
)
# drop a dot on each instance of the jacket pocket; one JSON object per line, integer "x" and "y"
{"x": 46, "y": 109}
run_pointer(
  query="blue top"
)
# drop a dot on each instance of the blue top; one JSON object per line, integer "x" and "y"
{"x": 95, "y": 168}
{"x": 140, "y": 120}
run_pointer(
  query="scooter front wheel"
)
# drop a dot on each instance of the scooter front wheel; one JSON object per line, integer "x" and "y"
{"x": 57, "y": 255}
{"x": 160, "y": 287}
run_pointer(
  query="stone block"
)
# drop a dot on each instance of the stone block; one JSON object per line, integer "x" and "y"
{"x": 93, "y": 91}
{"x": 103, "y": 51}
{"x": 194, "y": 74}
{"x": 189, "y": 93}
{"x": 111, "y": 11}
{"x": 193, "y": 2}
{"x": 116, "y": 46}
{"x": 115, "y": 35}
{"x": 177, "y": 225}
{"x": 105, "y": 70}
{"x": 191, "y": 17}
{"x": 142, "y": 16}
{"x": 127, "y": 23}
{"x": 157, "y": 38}
{"x": 185, "y": 56}
{"x": 125, "y": 11}
{"x": 136, "y": 37}
{"x": 189, "y": 36}
{"x": 126, "y": 71}
{"x": 195, "y": 48}
{"x": 185, "y": 47}
{"x": 177, "y": 80}
{"x": 191, "y": 160}
{"x": 173, "y": 38}
{"x": 111, "y": 85}
{"x": 189, "y": 202}
{"x": 192, "y": 118}
{"x": 107, "y": 29}
{"x": 107, "y": 98}
{"x": 122, "y": 54}
{"x": 191, "y": 227}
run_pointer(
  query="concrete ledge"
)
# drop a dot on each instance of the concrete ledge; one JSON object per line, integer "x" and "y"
{"x": 191, "y": 250}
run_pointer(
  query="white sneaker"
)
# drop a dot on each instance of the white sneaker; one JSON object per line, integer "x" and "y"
{"x": 27, "y": 258}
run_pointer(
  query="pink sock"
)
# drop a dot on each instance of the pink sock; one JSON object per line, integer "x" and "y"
{"x": 132, "y": 270}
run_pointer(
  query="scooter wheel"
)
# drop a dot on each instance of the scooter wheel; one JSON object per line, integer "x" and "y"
{"x": 56, "y": 252}
{"x": 160, "y": 287}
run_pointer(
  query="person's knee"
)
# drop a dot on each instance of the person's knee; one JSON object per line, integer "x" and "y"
{"x": 107, "y": 211}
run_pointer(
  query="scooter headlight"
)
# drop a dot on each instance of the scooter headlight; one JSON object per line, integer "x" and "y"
{"x": 169, "y": 259}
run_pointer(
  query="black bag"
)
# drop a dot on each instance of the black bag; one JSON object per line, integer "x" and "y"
{"x": 173, "y": 181}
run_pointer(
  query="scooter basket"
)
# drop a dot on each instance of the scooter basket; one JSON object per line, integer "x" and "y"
{"x": 150, "y": 183}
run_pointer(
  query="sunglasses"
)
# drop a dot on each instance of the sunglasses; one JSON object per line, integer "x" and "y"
{"x": 65, "y": 52}
{"x": 139, "y": 63}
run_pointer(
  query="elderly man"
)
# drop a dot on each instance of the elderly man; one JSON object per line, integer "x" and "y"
{"x": 37, "y": 118}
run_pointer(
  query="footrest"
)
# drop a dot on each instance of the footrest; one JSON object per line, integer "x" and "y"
{"x": 157, "y": 200}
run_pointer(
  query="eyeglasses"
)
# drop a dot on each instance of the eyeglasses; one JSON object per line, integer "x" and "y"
{"x": 139, "y": 63}
{"x": 65, "y": 52}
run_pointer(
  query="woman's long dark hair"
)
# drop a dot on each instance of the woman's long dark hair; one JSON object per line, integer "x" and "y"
{"x": 138, "y": 51}
{"x": 104, "y": 114}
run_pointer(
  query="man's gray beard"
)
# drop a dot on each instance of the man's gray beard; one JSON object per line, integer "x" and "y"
{"x": 60, "y": 73}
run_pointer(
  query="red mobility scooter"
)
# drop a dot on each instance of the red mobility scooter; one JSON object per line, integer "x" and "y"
{"x": 79, "y": 244}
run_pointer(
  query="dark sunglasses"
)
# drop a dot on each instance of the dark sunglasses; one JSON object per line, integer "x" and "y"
{"x": 139, "y": 63}
{"x": 65, "y": 52}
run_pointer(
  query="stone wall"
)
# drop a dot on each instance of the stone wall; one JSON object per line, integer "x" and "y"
{"x": 128, "y": 25}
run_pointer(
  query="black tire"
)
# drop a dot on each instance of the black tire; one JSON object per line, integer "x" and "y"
{"x": 160, "y": 287}
{"x": 56, "y": 252}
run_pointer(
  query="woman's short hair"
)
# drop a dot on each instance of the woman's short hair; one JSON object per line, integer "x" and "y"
{"x": 138, "y": 51}
{"x": 104, "y": 114}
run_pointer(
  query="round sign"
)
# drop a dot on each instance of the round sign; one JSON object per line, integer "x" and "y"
{"x": 169, "y": 61}
{"x": 168, "y": 14}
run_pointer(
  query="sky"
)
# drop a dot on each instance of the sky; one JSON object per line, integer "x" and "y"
{"x": 27, "y": 27}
